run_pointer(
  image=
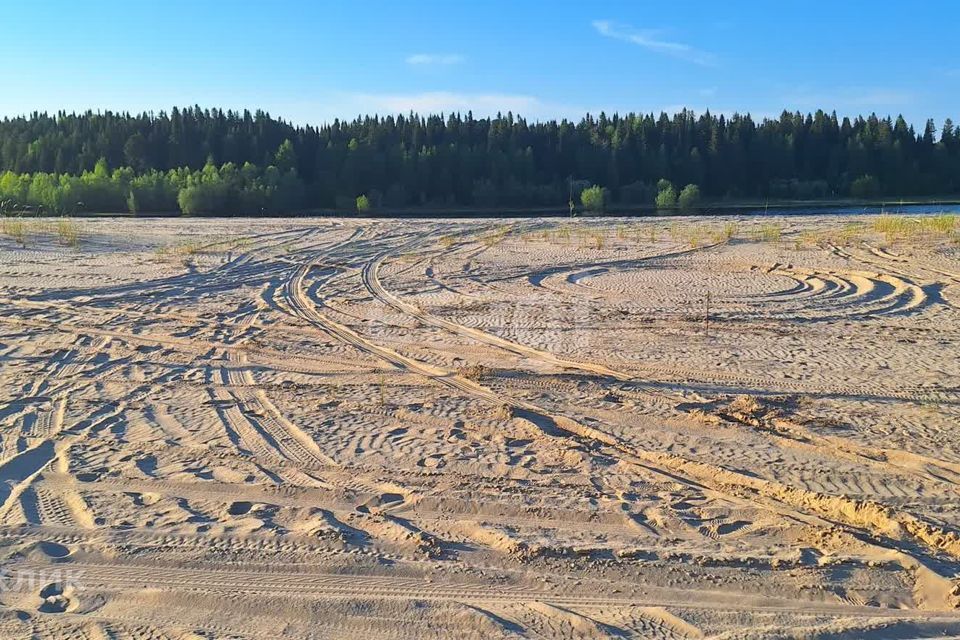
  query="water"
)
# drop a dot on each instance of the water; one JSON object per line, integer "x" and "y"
{"x": 889, "y": 208}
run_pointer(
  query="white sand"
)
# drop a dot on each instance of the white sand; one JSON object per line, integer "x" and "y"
{"x": 421, "y": 429}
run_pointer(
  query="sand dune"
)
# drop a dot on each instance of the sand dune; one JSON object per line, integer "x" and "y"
{"x": 531, "y": 429}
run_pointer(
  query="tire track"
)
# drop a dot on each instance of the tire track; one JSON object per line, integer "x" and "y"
{"x": 881, "y": 521}
{"x": 371, "y": 279}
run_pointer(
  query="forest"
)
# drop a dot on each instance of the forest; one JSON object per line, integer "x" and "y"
{"x": 211, "y": 161}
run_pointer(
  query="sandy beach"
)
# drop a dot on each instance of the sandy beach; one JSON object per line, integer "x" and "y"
{"x": 543, "y": 428}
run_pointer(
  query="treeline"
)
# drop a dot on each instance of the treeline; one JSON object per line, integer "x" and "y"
{"x": 227, "y": 189}
{"x": 218, "y": 161}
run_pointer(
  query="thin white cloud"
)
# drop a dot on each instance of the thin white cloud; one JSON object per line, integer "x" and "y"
{"x": 435, "y": 59}
{"x": 652, "y": 40}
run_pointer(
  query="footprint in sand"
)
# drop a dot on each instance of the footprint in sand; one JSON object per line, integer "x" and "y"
{"x": 56, "y": 598}
{"x": 54, "y": 550}
{"x": 435, "y": 461}
{"x": 240, "y": 508}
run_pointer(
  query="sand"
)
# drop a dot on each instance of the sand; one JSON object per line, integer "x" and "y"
{"x": 292, "y": 428}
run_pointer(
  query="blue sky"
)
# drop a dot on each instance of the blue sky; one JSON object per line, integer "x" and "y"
{"x": 312, "y": 61}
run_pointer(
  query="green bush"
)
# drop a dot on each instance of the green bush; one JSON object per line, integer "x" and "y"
{"x": 666, "y": 194}
{"x": 593, "y": 198}
{"x": 689, "y": 197}
{"x": 226, "y": 189}
{"x": 363, "y": 204}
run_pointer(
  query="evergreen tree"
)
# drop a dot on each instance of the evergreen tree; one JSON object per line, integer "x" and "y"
{"x": 461, "y": 160}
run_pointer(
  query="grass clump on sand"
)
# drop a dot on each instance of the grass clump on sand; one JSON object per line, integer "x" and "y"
{"x": 851, "y": 232}
{"x": 497, "y": 236}
{"x": 894, "y": 227}
{"x": 945, "y": 223}
{"x": 806, "y": 239}
{"x": 205, "y": 245}
{"x": 722, "y": 235}
{"x": 68, "y": 232}
{"x": 599, "y": 240}
{"x": 16, "y": 229}
{"x": 904, "y": 228}
{"x": 687, "y": 234}
{"x": 768, "y": 232}
{"x": 183, "y": 252}
{"x": 729, "y": 231}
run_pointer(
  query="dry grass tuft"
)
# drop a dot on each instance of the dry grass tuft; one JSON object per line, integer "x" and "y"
{"x": 894, "y": 227}
{"x": 16, "y": 229}
{"x": 498, "y": 236}
{"x": 700, "y": 235}
{"x": 904, "y": 228}
{"x": 945, "y": 224}
{"x": 448, "y": 241}
{"x": 68, "y": 232}
{"x": 767, "y": 232}
{"x": 182, "y": 251}
{"x": 729, "y": 231}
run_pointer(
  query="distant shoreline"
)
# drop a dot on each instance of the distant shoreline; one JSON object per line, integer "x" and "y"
{"x": 747, "y": 207}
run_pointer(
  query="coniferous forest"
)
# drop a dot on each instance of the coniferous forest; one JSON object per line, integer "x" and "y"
{"x": 211, "y": 161}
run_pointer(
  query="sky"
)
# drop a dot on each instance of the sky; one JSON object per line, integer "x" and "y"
{"x": 311, "y": 62}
